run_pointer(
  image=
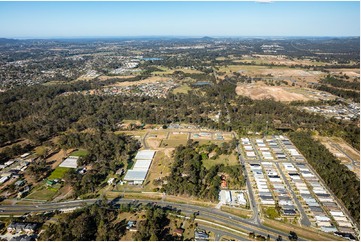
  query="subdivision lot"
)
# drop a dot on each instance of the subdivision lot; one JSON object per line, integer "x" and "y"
{"x": 316, "y": 205}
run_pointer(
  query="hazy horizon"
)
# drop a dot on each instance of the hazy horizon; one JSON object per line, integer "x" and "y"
{"x": 169, "y": 36}
{"x": 182, "y": 19}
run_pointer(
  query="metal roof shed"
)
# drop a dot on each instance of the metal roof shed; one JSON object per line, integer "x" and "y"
{"x": 142, "y": 165}
{"x": 145, "y": 155}
{"x": 135, "y": 175}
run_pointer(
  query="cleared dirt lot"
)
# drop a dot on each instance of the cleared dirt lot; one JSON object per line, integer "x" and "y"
{"x": 58, "y": 157}
{"x": 260, "y": 91}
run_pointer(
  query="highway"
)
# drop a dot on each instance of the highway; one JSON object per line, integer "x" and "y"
{"x": 209, "y": 214}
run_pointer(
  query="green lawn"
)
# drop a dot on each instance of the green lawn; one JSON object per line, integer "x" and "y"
{"x": 228, "y": 160}
{"x": 58, "y": 173}
{"x": 79, "y": 152}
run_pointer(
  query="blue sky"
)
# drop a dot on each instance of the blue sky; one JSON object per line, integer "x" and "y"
{"x": 89, "y": 19}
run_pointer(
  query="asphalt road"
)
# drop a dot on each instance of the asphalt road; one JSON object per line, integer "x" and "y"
{"x": 253, "y": 204}
{"x": 209, "y": 214}
{"x": 338, "y": 147}
{"x": 304, "y": 219}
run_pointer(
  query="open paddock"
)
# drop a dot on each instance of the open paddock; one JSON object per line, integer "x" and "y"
{"x": 182, "y": 89}
{"x": 178, "y": 136}
{"x": 160, "y": 168}
{"x": 173, "y": 143}
{"x": 227, "y": 160}
{"x": 80, "y": 152}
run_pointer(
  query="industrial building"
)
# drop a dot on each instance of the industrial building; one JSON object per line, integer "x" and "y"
{"x": 143, "y": 160}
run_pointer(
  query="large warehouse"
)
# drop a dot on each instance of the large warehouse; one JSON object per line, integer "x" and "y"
{"x": 143, "y": 160}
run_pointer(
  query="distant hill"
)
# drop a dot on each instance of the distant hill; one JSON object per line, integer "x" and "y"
{"x": 207, "y": 38}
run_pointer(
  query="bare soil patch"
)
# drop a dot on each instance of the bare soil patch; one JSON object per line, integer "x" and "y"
{"x": 259, "y": 92}
{"x": 58, "y": 157}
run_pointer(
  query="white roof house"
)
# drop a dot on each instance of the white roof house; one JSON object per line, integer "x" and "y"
{"x": 70, "y": 162}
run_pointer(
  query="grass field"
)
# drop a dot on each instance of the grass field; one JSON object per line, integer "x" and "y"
{"x": 44, "y": 193}
{"x": 230, "y": 160}
{"x": 178, "y": 136}
{"x": 79, "y": 152}
{"x": 58, "y": 173}
{"x": 172, "y": 143}
{"x": 182, "y": 89}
